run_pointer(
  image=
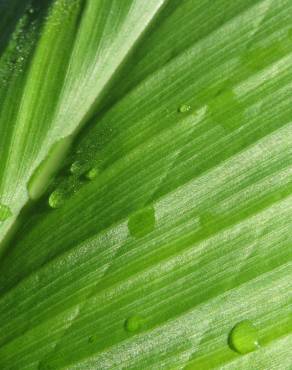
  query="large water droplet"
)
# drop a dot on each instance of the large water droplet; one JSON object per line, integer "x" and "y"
{"x": 243, "y": 338}
{"x": 133, "y": 323}
{"x": 184, "y": 108}
{"x": 5, "y": 212}
{"x": 142, "y": 222}
{"x": 57, "y": 198}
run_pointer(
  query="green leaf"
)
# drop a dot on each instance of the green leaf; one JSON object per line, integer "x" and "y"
{"x": 145, "y": 184}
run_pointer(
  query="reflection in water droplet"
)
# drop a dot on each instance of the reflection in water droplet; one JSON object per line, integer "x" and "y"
{"x": 57, "y": 199}
{"x": 243, "y": 338}
{"x": 184, "y": 108}
{"x": 5, "y": 212}
{"x": 92, "y": 174}
{"x": 133, "y": 323}
{"x": 142, "y": 222}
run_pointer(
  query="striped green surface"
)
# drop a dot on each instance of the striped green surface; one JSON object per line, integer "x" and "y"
{"x": 185, "y": 228}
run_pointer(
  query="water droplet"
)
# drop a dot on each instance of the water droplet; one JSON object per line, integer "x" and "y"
{"x": 76, "y": 168}
{"x": 243, "y": 338}
{"x": 57, "y": 199}
{"x": 91, "y": 339}
{"x": 184, "y": 108}
{"x": 133, "y": 323}
{"x": 142, "y": 222}
{"x": 92, "y": 174}
{"x": 5, "y": 212}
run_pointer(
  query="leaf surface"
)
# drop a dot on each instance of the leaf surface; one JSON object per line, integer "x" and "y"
{"x": 171, "y": 218}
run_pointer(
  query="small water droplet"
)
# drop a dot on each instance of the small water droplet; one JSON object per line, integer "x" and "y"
{"x": 92, "y": 174}
{"x": 133, "y": 323}
{"x": 184, "y": 108}
{"x": 5, "y": 212}
{"x": 56, "y": 199}
{"x": 76, "y": 168}
{"x": 142, "y": 222}
{"x": 243, "y": 338}
{"x": 91, "y": 339}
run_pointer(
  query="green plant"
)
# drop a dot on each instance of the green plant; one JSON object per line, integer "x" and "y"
{"x": 145, "y": 184}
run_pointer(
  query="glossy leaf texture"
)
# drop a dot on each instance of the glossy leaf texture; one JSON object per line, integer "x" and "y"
{"x": 154, "y": 139}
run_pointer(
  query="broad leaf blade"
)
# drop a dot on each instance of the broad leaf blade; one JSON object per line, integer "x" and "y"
{"x": 187, "y": 223}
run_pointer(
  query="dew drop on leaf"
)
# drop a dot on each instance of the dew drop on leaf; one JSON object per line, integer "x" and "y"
{"x": 92, "y": 174}
{"x": 243, "y": 338}
{"x": 133, "y": 323}
{"x": 142, "y": 222}
{"x": 184, "y": 108}
{"x": 76, "y": 168}
{"x": 5, "y": 212}
{"x": 56, "y": 199}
